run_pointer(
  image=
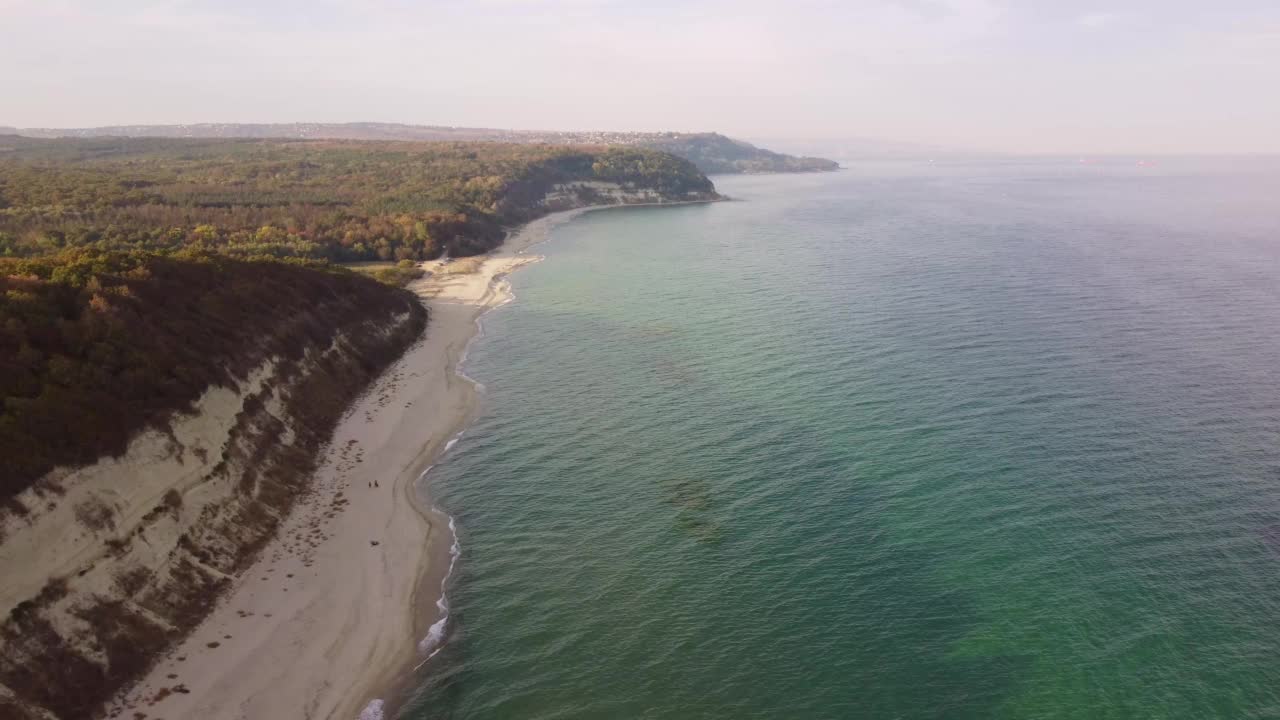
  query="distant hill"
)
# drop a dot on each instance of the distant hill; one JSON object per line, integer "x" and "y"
{"x": 710, "y": 152}
{"x": 715, "y": 153}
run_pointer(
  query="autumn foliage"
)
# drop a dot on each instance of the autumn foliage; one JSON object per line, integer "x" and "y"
{"x": 97, "y": 345}
{"x": 338, "y": 200}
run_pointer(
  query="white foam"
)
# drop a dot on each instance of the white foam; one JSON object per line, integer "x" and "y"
{"x": 434, "y": 635}
{"x": 434, "y": 640}
{"x": 431, "y": 644}
{"x": 372, "y": 711}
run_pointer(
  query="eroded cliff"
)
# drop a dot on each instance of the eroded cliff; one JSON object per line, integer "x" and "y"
{"x": 107, "y": 563}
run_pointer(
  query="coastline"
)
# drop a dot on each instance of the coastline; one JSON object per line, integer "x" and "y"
{"x": 318, "y": 626}
{"x": 465, "y": 288}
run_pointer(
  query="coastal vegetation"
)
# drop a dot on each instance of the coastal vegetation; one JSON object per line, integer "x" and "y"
{"x": 710, "y": 152}
{"x": 341, "y": 201}
{"x": 399, "y": 274}
{"x": 96, "y": 345}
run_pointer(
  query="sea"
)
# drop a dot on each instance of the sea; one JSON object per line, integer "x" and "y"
{"x": 993, "y": 438}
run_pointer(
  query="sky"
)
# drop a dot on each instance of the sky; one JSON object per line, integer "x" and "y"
{"x": 1036, "y": 76}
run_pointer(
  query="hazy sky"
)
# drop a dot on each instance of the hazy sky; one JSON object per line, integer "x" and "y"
{"x": 1035, "y": 75}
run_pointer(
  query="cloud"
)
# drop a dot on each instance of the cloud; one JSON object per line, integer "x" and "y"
{"x": 1099, "y": 20}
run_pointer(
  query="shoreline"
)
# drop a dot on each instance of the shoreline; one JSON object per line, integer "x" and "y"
{"x": 485, "y": 286}
{"x": 477, "y": 282}
{"x": 318, "y": 625}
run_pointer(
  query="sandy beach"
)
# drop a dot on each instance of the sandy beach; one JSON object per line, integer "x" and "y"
{"x": 333, "y": 612}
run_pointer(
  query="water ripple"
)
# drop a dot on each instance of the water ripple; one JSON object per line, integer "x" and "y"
{"x": 980, "y": 441}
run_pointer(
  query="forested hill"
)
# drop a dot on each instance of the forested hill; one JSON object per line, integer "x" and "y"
{"x": 95, "y": 346}
{"x": 715, "y": 153}
{"x": 710, "y": 152}
{"x": 335, "y": 200}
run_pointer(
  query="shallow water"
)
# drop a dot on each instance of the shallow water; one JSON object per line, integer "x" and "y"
{"x": 977, "y": 440}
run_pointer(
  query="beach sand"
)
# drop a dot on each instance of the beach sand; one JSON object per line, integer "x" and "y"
{"x": 331, "y": 614}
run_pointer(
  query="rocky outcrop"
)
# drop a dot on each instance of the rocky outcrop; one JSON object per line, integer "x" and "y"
{"x": 114, "y": 561}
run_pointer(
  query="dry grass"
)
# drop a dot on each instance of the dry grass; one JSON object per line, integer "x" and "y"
{"x": 462, "y": 266}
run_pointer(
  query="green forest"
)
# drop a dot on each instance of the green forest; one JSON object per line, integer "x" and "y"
{"x": 336, "y": 200}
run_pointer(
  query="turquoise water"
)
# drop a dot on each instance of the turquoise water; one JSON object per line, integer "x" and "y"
{"x": 907, "y": 441}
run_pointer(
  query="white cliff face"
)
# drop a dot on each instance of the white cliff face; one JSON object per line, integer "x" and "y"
{"x": 116, "y": 560}
{"x": 566, "y": 196}
{"x": 77, "y": 516}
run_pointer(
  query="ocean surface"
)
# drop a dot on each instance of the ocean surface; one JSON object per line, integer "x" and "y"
{"x": 911, "y": 440}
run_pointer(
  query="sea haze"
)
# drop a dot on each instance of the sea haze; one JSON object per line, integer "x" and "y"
{"x": 911, "y": 440}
